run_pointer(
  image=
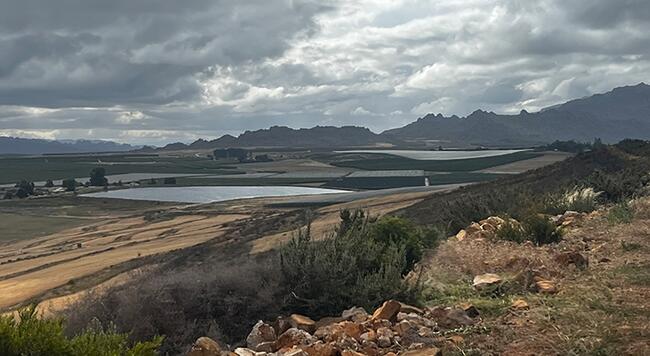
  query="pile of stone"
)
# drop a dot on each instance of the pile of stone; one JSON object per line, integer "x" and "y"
{"x": 486, "y": 228}
{"x": 393, "y": 329}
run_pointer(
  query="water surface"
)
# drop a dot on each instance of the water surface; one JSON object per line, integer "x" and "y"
{"x": 209, "y": 194}
{"x": 438, "y": 155}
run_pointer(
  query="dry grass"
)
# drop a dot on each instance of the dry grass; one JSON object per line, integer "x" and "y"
{"x": 601, "y": 310}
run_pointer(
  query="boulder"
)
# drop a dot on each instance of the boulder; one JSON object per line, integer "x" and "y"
{"x": 519, "y": 304}
{"x": 281, "y": 325}
{"x": 429, "y": 351}
{"x": 293, "y": 337}
{"x": 487, "y": 281}
{"x": 329, "y": 333}
{"x": 388, "y": 311}
{"x": 204, "y": 346}
{"x": 261, "y": 338}
{"x": 302, "y": 322}
{"x": 403, "y": 327}
{"x": 356, "y": 314}
{"x": 352, "y": 329}
{"x": 369, "y": 336}
{"x": 451, "y": 318}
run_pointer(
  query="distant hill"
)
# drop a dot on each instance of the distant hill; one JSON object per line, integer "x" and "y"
{"x": 621, "y": 113}
{"x": 281, "y": 136}
{"x": 15, "y": 145}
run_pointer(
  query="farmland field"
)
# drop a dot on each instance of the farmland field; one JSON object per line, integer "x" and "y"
{"x": 437, "y": 155}
{"x": 41, "y": 168}
{"x": 389, "y": 162}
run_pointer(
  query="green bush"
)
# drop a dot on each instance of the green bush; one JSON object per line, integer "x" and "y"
{"x": 361, "y": 264}
{"x": 28, "y": 334}
{"x": 511, "y": 231}
{"x": 621, "y": 213}
{"x": 541, "y": 230}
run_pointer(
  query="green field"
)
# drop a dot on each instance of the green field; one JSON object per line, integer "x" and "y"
{"x": 389, "y": 162}
{"x": 41, "y": 168}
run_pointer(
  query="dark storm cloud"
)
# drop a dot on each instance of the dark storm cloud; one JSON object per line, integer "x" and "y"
{"x": 104, "y": 53}
{"x": 155, "y": 71}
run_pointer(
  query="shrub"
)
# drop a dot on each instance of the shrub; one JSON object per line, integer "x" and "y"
{"x": 169, "y": 180}
{"x": 28, "y": 334}
{"x": 220, "y": 300}
{"x": 582, "y": 200}
{"x": 98, "y": 177}
{"x": 511, "y": 230}
{"x": 361, "y": 264}
{"x": 70, "y": 185}
{"x": 541, "y": 230}
{"x": 621, "y": 213}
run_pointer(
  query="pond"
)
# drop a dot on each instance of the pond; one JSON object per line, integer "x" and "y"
{"x": 438, "y": 155}
{"x": 209, "y": 194}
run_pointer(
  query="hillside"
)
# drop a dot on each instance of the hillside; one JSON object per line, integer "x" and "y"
{"x": 15, "y": 145}
{"x": 621, "y": 113}
{"x": 281, "y": 136}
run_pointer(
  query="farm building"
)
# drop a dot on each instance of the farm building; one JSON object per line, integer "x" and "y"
{"x": 381, "y": 179}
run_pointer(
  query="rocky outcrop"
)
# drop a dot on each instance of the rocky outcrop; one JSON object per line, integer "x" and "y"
{"x": 392, "y": 329}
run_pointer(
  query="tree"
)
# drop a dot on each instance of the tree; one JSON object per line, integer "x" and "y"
{"x": 98, "y": 177}
{"x": 169, "y": 180}
{"x": 25, "y": 189}
{"x": 69, "y": 184}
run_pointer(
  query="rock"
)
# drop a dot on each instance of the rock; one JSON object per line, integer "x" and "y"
{"x": 487, "y": 281}
{"x": 403, "y": 327}
{"x": 456, "y": 339}
{"x": 281, "y": 325}
{"x": 329, "y": 333}
{"x": 320, "y": 349}
{"x": 293, "y": 337}
{"x": 519, "y": 304}
{"x": 429, "y": 351}
{"x": 461, "y": 235}
{"x": 368, "y": 336}
{"x": 384, "y": 337}
{"x": 383, "y": 341}
{"x": 572, "y": 258}
{"x": 302, "y": 322}
{"x": 545, "y": 286}
{"x": 329, "y": 320}
{"x": 470, "y": 310}
{"x": 451, "y": 318}
{"x": 352, "y": 329}
{"x": 473, "y": 229}
{"x": 240, "y": 351}
{"x": 351, "y": 353}
{"x": 261, "y": 338}
{"x": 356, "y": 314}
{"x": 295, "y": 352}
{"x": 405, "y": 308}
{"x": 416, "y": 320}
{"x": 388, "y": 311}
{"x": 204, "y": 346}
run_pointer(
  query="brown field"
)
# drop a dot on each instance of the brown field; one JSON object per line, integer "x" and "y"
{"x": 48, "y": 267}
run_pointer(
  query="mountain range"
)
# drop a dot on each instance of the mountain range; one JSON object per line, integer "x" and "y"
{"x": 621, "y": 113}
{"x": 15, "y": 145}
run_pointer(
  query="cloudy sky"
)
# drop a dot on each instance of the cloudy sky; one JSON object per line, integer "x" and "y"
{"x": 155, "y": 71}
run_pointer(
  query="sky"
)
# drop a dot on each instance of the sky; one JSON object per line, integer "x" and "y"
{"x": 159, "y": 71}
